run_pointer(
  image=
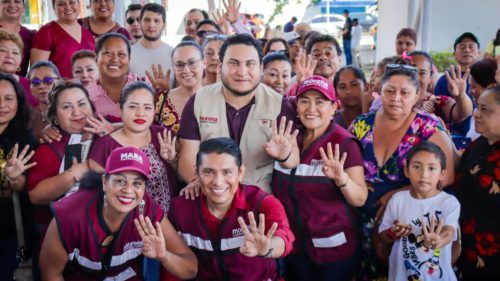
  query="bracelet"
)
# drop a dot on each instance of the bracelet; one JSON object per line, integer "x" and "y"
{"x": 286, "y": 158}
{"x": 268, "y": 254}
{"x": 345, "y": 184}
{"x": 175, "y": 160}
{"x": 392, "y": 235}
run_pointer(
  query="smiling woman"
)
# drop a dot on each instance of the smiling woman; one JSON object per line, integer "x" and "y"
{"x": 101, "y": 21}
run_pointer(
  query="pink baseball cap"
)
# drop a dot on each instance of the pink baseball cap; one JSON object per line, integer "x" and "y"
{"x": 317, "y": 83}
{"x": 127, "y": 158}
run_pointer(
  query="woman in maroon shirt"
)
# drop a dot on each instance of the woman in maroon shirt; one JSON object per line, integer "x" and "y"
{"x": 101, "y": 21}
{"x": 58, "y": 40}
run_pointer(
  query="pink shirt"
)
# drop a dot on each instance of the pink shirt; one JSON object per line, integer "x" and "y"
{"x": 103, "y": 103}
{"x": 61, "y": 45}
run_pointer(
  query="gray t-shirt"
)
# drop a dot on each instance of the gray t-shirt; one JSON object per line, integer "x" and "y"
{"x": 142, "y": 58}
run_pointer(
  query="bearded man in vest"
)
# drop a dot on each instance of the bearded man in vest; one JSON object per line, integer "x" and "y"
{"x": 220, "y": 225}
{"x": 238, "y": 107}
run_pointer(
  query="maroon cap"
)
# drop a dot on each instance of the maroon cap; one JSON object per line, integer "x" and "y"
{"x": 128, "y": 158}
{"x": 317, "y": 83}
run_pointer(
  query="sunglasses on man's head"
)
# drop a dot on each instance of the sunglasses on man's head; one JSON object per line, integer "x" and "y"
{"x": 393, "y": 66}
{"x": 132, "y": 20}
{"x": 47, "y": 80}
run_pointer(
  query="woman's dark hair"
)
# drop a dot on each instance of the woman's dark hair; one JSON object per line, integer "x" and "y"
{"x": 496, "y": 42}
{"x": 44, "y": 63}
{"x": 411, "y": 74}
{"x": 271, "y": 41}
{"x": 219, "y": 146}
{"x": 55, "y": 94}
{"x": 203, "y": 12}
{"x": 483, "y": 72}
{"x": 112, "y": 35}
{"x": 188, "y": 44}
{"x": 19, "y": 126}
{"x": 209, "y": 22}
{"x": 240, "y": 39}
{"x": 272, "y": 57}
{"x": 132, "y": 87}
{"x": 187, "y": 38}
{"x": 428, "y": 147}
{"x": 358, "y": 73}
{"x": 410, "y": 32}
{"x": 425, "y": 55}
{"x": 155, "y": 8}
{"x": 320, "y": 39}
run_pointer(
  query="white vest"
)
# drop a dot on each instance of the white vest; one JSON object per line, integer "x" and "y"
{"x": 210, "y": 112}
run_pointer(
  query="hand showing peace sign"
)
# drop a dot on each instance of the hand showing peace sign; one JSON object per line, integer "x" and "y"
{"x": 257, "y": 243}
{"x": 333, "y": 165}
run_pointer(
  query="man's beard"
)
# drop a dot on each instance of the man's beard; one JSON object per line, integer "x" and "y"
{"x": 236, "y": 92}
{"x": 150, "y": 38}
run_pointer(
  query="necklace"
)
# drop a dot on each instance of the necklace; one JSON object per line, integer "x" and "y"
{"x": 44, "y": 117}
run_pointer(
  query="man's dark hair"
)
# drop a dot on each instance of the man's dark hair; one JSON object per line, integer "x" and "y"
{"x": 428, "y": 147}
{"x": 107, "y": 36}
{"x": 345, "y": 11}
{"x": 133, "y": 7}
{"x": 294, "y": 18}
{"x": 209, "y": 22}
{"x": 355, "y": 21}
{"x": 243, "y": 39}
{"x": 203, "y": 12}
{"x": 322, "y": 38}
{"x": 155, "y": 8}
{"x": 219, "y": 146}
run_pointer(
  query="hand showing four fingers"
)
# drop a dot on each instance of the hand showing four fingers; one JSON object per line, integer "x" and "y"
{"x": 431, "y": 237}
{"x": 333, "y": 165}
{"x": 152, "y": 238}
{"x": 167, "y": 145}
{"x": 257, "y": 243}
{"x": 158, "y": 79}
{"x": 282, "y": 140}
{"x": 457, "y": 82}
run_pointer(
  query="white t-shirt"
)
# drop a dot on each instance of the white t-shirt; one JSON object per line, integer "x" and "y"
{"x": 142, "y": 59}
{"x": 408, "y": 259}
{"x": 356, "y": 33}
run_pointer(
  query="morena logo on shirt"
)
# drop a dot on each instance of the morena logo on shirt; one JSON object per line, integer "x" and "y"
{"x": 131, "y": 156}
{"x": 209, "y": 119}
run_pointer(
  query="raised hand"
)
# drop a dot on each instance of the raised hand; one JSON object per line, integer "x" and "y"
{"x": 167, "y": 146}
{"x": 431, "y": 236}
{"x": 333, "y": 165}
{"x": 257, "y": 243}
{"x": 17, "y": 163}
{"x": 457, "y": 82}
{"x": 282, "y": 140}
{"x": 232, "y": 13}
{"x": 50, "y": 133}
{"x": 99, "y": 126}
{"x": 152, "y": 238}
{"x": 159, "y": 80}
{"x": 305, "y": 65}
{"x": 220, "y": 20}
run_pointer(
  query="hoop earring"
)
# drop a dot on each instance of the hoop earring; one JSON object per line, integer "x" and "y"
{"x": 18, "y": 69}
{"x": 56, "y": 122}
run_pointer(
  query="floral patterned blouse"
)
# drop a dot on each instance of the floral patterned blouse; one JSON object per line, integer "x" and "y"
{"x": 166, "y": 113}
{"x": 477, "y": 187}
{"x": 391, "y": 175}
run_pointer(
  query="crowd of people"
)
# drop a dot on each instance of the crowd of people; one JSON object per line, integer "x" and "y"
{"x": 228, "y": 157}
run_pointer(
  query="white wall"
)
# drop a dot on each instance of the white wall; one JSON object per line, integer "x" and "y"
{"x": 449, "y": 19}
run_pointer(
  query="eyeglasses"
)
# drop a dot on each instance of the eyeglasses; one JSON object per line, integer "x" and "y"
{"x": 132, "y": 20}
{"x": 192, "y": 64}
{"x": 47, "y": 80}
{"x": 393, "y": 66}
{"x": 203, "y": 33}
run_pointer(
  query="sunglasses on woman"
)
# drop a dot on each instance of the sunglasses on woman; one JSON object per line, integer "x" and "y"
{"x": 47, "y": 80}
{"x": 393, "y": 66}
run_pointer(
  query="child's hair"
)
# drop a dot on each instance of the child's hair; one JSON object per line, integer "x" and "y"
{"x": 428, "y": 147}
